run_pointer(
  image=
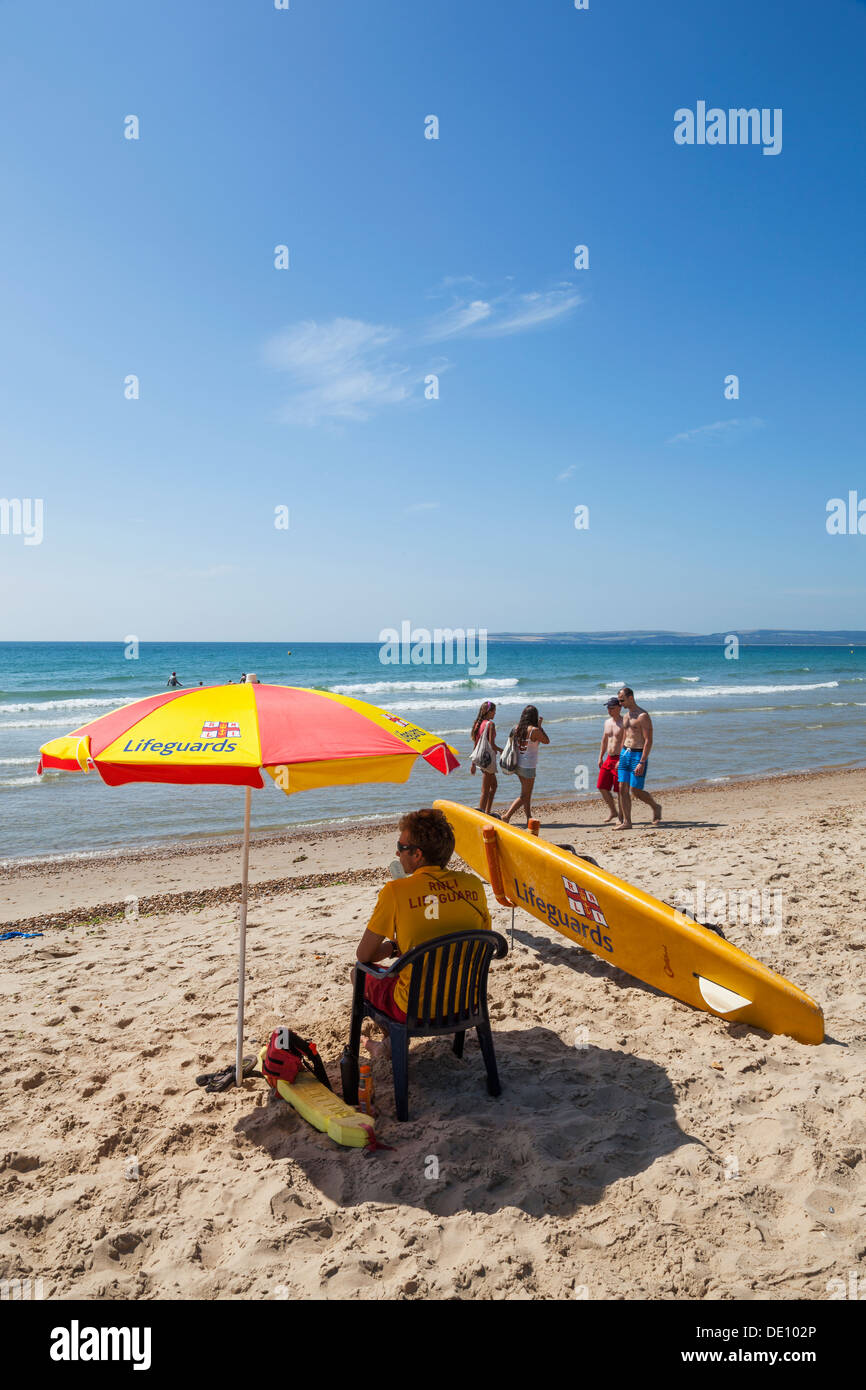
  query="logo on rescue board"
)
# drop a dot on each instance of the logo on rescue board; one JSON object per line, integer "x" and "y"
{"x": 587, "y": 918}
{"x": 583, "y": 902}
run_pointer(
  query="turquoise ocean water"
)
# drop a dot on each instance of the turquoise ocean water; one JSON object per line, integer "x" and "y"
{"x": 775, "y": 709}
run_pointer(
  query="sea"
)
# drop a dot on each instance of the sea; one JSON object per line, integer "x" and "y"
{"x": 771, "y": 710}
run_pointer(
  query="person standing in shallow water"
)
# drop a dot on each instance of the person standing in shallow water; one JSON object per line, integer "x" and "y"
{"x": 484, "y": 721}
{"x": 528, "y": 738}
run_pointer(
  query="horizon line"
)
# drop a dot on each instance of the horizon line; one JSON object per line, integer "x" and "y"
{"x": 839, "y": 634}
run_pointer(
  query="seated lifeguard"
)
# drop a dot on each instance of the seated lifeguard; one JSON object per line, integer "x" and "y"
{"x": 430, "y": 901}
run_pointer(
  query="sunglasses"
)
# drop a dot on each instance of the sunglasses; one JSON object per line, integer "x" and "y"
{"x": 401, "y": 848}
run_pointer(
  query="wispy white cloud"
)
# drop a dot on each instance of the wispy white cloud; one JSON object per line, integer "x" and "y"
{"x": 531, "y": 310}
{"x": 338, "y": 370}
{"x": 563, "y": 477}
{"x": 458, "y": 319}
{"x": 508, "y": 313}
{"x": 422, "y": 507}
{"x": 718, "y": 430}
{"x": 342, "y": 369}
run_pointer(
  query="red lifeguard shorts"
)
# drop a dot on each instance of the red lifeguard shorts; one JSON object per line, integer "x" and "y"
{"x": 380, "y": 993}
{"x": 607, "y": 778}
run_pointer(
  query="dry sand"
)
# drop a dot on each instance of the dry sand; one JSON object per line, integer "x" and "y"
{"x": 670, "y": 1155}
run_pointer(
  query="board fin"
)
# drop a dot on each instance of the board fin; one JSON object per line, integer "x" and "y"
{"x": 721, "y": 1000}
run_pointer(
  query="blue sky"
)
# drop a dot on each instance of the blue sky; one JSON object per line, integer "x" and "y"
{"x": 305, "y": 387}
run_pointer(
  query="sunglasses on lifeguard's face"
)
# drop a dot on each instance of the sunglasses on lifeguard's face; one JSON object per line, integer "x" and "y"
{"x": 401, "y": 848}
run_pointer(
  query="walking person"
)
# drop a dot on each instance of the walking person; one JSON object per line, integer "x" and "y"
{"x": 528, "y": 737}
{"x": 484, "y": 737}
{"x": 634, "y": 757}
{"x": 608, "y": 759}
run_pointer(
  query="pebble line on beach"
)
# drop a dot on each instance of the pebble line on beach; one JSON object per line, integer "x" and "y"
{"x": 193, "y": 899}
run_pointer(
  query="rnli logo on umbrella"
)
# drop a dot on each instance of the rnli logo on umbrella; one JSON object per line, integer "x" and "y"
{"x": 409, "y": 733}
{"x": 214, "y": 729}
{"x": 584, "y": 903}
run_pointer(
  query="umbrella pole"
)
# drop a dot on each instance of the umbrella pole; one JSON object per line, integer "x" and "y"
{"x": 242, "y": 938}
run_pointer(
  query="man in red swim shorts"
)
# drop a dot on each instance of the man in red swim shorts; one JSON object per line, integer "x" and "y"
{"x": 608, "y": 759}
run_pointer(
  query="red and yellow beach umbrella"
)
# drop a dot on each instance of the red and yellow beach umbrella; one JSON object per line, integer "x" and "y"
{"x": 228, "y": 735}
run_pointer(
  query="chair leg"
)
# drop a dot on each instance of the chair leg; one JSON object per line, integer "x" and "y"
{"x": 459, "y": 1039}
{"x": 400, "y": 1068}
{"x": 349, "y": 1062}
{"x": 485, "y": 1041}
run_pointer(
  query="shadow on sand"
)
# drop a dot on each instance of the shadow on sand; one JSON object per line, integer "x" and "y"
{"x": 582, "y": 962}
{"x": 569, "y": 1123}
{"x": 666, "y": 823}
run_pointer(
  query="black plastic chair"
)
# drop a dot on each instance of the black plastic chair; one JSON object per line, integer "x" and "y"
{"x": 463, "y": 959}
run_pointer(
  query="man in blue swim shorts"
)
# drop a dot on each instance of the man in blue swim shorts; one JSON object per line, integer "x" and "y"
{"x": 634, "y": 756}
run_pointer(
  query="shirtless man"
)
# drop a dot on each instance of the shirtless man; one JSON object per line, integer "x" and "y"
{"x": 608, "y": 759}
{"x": 636, "y": 744}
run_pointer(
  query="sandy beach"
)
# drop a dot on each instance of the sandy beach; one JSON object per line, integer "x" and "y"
{"x": 667, "y": 1155}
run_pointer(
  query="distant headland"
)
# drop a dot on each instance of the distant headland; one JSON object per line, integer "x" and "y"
{"x": 748, "y": 637}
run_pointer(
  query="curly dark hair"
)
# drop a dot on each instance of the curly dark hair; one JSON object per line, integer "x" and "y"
{"x": 430, "y": 831}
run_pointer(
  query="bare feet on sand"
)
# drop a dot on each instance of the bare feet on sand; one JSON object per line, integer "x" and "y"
{"x": 377, "y": 1046}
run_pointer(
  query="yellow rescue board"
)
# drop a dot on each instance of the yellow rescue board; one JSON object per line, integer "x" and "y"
{"x": 633, "y": 930}
{"x": 325, "y": 1110}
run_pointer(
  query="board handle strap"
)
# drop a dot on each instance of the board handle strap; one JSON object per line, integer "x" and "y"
{"x": 494, "y": 868}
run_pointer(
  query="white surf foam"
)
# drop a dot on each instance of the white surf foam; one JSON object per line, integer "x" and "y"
{"x": 383, "y": 687}
{"x": 706, "y": 692}
{"x": 36, "y": 724}
{"x": 28, "y": 706}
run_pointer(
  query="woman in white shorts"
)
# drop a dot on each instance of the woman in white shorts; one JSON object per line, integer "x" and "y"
{"x": 528, "y": 738}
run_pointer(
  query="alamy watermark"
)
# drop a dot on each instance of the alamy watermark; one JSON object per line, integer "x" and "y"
{"x": 846, "y": 518}
{"x": 837, "y": 1288}
{"x": 736, "y": 126}
{"x": 444, "y": 646}
{"x": 759, "y": 908}
{"x": 77, "y": 1343}
{"x": 22, "y": 516}
{"x": 21, "y": 1289}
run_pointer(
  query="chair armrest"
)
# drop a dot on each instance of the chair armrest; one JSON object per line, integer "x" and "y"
{"x": 369, "y": 968}
{"x": 486, "y": 936}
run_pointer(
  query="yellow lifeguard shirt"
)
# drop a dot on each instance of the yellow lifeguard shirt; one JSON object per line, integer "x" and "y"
{"x": 431, "y": 902}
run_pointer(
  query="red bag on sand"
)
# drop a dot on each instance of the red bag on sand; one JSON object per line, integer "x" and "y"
{"x": 279, "y": 1064}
